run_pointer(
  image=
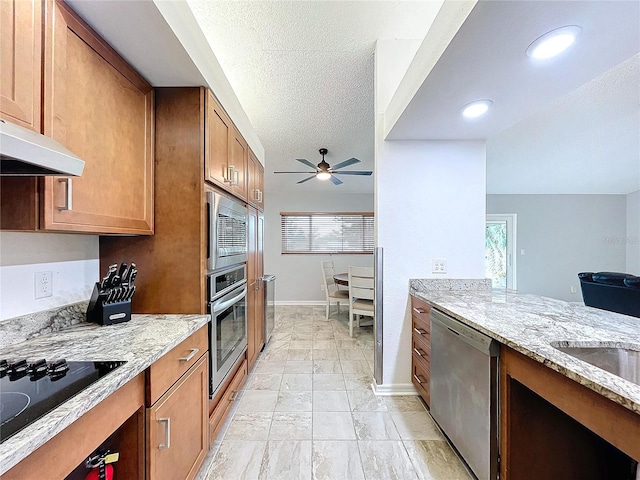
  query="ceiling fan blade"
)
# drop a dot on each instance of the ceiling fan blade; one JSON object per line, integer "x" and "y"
{"x": 335, "y": 180}
{"x": 353, "y": 172}
{"x": 298, "y": 172}
{"x": 307, "y": 163}
{"x": 346, "y": 163}
{"x": 307, "y": 179}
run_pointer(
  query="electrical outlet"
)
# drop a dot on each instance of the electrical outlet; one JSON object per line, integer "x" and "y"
{"x": 438, "y": 265}
{"x": 573, "y": 289}
{"x": 43, "y": 286}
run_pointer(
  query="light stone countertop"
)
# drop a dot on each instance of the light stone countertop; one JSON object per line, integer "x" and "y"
{"x": 141, "y": 341}
{"x": 530, "y": 323}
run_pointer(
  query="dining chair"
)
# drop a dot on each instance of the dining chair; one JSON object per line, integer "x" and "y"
{"x": 332, "y": 293}
{"x": 361, "y": 295}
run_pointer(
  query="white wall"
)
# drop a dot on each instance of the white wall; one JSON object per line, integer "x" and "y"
{"x": 429, "y": 203}
{"x": 73, "y": 260}
{"x": 633, "y": 233}
{"x": 563, "y": 235}
{"x": 298, "y": 277}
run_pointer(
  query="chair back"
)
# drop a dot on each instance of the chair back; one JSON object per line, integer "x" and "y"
{"x": 361, "y": 283}
{"x": 327, "y": 274}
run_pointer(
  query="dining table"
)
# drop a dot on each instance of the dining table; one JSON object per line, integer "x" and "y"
{"x": 341, "y": 279}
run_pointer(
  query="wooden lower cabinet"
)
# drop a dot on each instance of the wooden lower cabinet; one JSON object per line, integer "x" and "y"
{"x": 177, "y": 428}
{"x": 421, "y": 347}
{"x": 223, "y": 404}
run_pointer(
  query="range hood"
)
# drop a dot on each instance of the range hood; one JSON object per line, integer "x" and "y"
{"x": 24, "y": 152}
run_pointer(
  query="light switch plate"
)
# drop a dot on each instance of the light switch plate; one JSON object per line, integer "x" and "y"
{"x": 438, "y": 265}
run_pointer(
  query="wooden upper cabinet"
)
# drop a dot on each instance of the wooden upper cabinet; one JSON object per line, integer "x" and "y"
{"x": 255, "y": 185}
{"x": 226, "y": 151}
{"x": 102, "y": 110}
{"x": 21, "y": 60}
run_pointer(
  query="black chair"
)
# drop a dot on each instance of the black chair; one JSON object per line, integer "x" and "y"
{"x": 612, "y": 291}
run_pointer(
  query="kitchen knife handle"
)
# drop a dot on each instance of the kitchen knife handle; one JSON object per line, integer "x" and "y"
{"x": 193, "y": 353}
{"x": 69, "y": 194}
{"x": 167, "y": 432}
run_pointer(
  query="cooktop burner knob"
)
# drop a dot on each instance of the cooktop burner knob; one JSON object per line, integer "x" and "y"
{"x": 37, "y": 368}
{"x": 4, "y": 365}
{"x": 58, "y": 368}
{"x": 19, "y": 366}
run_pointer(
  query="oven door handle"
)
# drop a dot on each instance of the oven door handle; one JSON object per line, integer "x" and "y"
{"x": 218, "y": 307}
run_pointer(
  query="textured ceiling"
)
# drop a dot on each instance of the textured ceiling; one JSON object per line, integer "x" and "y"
{"x": 303, "y": 71}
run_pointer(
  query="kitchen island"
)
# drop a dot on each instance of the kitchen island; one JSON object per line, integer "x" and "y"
{"x": 548, "y": 397}
{"x": 140, "y": 342}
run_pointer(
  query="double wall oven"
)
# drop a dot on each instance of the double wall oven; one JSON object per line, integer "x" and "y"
{"x": 227, "y": 286}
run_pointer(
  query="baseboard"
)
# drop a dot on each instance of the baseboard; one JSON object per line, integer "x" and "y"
{"x": 301, "y": 303}
{"x": 389, "y": 390}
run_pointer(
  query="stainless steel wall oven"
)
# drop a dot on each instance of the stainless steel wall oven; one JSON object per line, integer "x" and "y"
{"x": 228, "y": 328}
{"x": 227, "y": 222}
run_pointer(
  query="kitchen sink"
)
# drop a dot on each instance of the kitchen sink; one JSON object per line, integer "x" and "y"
{"x": 623, "y": 362}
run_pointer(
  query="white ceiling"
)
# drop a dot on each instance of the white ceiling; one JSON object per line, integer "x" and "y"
{"x": 303, "y": 72}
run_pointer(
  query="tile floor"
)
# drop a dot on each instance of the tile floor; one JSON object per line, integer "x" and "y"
{"x": 307, "y": 411}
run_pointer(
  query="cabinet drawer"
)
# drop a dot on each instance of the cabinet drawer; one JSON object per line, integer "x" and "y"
{"x": 421, "y": 378}
{"x": 420, "y": 311}
{"x": 226, "y": 401}
{"x": 422, "y": 329}
{"x": 168, "y": 369}
{"x": 420, "y": 348}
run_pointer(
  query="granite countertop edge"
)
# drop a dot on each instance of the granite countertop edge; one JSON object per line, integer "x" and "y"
{"x": 123, "y": 338}
{"x": 611, "y": 386}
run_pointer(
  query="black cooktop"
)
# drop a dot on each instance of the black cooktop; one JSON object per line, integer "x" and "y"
{"x": 30, "y": 389}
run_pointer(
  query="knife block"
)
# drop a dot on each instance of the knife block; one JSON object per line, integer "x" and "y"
{"x": 107, "y": 313}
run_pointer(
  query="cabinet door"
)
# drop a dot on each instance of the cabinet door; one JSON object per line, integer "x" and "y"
{"x": 238, "y": 165}
{"x": 217, "y": 150}
{"x": 21, "y": 59}
{"x": 260, "y": 184}
{"x": 259, "y": 307}
{"x": 252, "y": 293}
{"x": 255, "y": 185}
{"x": 102, "y": 110}
{"x": 178, "y": 428}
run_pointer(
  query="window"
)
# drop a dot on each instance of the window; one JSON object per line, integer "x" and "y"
{"x": 343, "y": 232}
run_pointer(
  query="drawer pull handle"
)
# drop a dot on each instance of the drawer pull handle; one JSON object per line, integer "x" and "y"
{"x": 233, "y": 395}
{"x": 418, "y": 310}
{"x": 167, "y": 433}
{"x": 193, "y": 353}
{"x": 419, "y": 331}
{"x": 419, "y": 352}
{"x": 417, "y": 377}
{"x": 68, "y": 205}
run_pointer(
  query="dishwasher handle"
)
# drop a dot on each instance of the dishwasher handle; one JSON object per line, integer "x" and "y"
{"x": 476, "y": 339}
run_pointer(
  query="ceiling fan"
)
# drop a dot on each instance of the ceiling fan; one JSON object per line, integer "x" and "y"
{"x": 324, "y": 171}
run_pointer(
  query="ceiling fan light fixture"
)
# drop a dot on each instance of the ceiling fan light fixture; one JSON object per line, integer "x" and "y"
{"x": 553, "y": 43}
{"x": 476, "y": 109}
{"x": 323, "y": 175}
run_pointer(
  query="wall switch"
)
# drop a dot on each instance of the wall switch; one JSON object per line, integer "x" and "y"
{"x": 438, "y": 265}
{"x": 573, "y": 289}
{"x": 43, "y": 287}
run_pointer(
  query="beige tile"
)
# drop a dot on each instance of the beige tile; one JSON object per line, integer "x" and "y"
{"x": 257, "y": 401}
{"x": 301, "y": 344}
{"x": 351, "y": 354}
{"x": 299, "y": 335}
{"x": 328, "y": 382}
{"x": 404, "y": 403}
{"x": 294, "y": 402}
{"x": 386, "y": 460}
{"x": 324, "y": 345}
{"x": 327, "y": 366}
{"x": 326, "y": 401}
{"x": 286, "y": 460}
{"x": 358, "y": 381}
{"x": 333, "y": 426}
{"x": 434, "y": 460}
{"x": 298, "y": 366}
{"x": 374, "y": 426}
{"x": 264, "y": 381}
{"x": 298, "y": 382}
{"x": 356, "y": 366}
{"x": 249, "y": 426}
{"x": 336, "y": 460}
{"x": 347, "y": 344}
{"x": 229, "y": 465}
{"x": 416, "y": 426}
{"x": 300, "y": 354}
{"x": 325, "y": 354}
{"x": 290, "y": 426}
{"x": 269, "y": 366}
{"x": 366, "y": 401}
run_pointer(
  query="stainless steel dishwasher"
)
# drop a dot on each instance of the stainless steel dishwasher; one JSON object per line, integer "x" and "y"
{"x": 464, "y": 391}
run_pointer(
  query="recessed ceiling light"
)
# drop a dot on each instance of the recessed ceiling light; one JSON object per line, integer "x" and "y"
{"x": 554, "y": 42}
{"x": 323, "y": 176}
{"x": 476, "y": 109}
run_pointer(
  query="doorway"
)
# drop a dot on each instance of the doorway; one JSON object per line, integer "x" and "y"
{"x": 500, "y": 248}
